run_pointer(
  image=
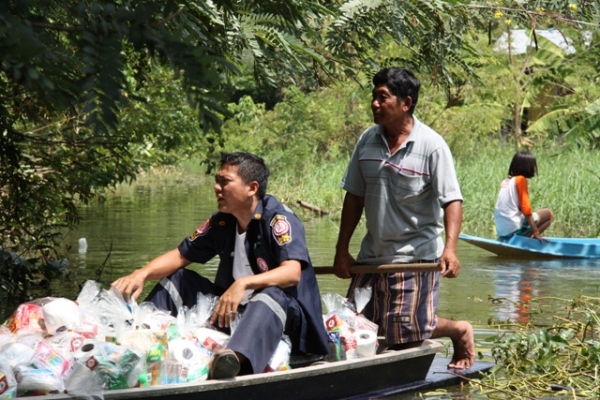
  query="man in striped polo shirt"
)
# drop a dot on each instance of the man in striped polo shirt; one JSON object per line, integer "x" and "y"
{"x": 402, "y": 175}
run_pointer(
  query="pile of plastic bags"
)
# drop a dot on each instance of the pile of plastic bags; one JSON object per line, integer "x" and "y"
{"x": 101, "y": 342}
{"x": 351, "y": 335}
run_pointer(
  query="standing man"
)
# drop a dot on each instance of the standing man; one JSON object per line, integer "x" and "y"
{"x": 264, "y": 271}
{"x": 402, "y": 175}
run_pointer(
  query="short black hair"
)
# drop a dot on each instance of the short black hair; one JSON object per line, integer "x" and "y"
{"x": 401, "y": 82}
{"x": 523, "y": 163}
{"x": 250, "y": 168}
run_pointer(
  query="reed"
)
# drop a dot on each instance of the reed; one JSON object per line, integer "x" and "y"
{"x": 568, "y": 182}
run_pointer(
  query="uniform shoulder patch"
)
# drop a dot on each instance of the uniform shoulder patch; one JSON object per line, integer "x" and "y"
{"x": 282, "y": 230}
{"x": 202, "y": 229}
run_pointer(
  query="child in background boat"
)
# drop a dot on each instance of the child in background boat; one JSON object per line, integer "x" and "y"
{"x": 513, "y": 214}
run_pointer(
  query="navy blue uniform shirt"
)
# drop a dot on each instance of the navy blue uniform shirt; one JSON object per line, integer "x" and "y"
{"x": 275, "y": 234}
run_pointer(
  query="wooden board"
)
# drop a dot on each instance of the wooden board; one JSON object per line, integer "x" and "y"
{"x": 383, "y": 268}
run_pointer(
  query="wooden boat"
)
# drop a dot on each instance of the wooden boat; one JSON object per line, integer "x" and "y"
{"x": 383, "y": 374}
{"x": 525, "y": 247}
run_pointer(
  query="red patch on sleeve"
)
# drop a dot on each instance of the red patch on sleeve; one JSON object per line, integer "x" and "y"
{"x": 282, "y": 230}
{"x": 202, "y": 229}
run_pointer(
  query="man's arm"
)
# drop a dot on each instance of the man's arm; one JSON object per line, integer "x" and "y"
{"x": 286, "y": 275}
{"x": 164, "y": 265}
{"x": 351, "y": 212}
{"x": 452, "y": 223}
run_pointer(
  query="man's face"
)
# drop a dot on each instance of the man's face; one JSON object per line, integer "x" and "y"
{"x": 233, "y": 195}
{"x": 387, "y": 108}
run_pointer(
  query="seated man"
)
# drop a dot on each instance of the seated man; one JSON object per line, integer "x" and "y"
{"x": 264, "y": 270}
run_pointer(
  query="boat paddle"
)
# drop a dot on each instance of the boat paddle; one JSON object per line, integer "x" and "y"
{"x": 383, "y": 268}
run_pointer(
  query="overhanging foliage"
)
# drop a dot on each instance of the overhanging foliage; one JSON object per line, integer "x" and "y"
{"x": 91, "y": 91}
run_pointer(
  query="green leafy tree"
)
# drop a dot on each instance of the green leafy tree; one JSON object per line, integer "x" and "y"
{"x": 84, "y": 89}
{"x": 573, "y": 116}
{"x": 544, "y": 78}
{"x": 92, "y": 91}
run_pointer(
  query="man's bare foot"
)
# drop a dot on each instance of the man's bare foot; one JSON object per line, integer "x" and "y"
{"x": 463, "y": 342}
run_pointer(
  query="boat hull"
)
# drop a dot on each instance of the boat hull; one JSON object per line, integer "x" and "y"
{"x": 389, "y": 372}
{"x": 525, "y": 247}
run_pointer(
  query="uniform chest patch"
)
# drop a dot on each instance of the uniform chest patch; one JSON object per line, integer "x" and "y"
{"x": 282, "y": 230}
{"x": 202, "y": 229}
{"x": 262, "y": 264}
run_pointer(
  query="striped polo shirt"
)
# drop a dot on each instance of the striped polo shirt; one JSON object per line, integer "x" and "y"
{"x": 403, "y": 192}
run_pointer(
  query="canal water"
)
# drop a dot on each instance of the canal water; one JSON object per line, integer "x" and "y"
{"x": 127, "y": 231}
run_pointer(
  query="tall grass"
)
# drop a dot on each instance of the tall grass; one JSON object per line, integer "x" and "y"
{"x": 318, "y": 184}
{"x": 568, "y": 182}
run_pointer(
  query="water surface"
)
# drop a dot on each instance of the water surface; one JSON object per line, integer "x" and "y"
{"x": 129, "y": 230}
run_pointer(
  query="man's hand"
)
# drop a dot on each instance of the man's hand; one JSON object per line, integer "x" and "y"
{"x": 341, "y": 264}
{"x": 132, "y": 285}
{"x": 449, "y": 264}
{"x": 226, "y": 308}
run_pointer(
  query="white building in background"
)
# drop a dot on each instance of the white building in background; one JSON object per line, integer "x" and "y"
{"x": 520, "y": 39}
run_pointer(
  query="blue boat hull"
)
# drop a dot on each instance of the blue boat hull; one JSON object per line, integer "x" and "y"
{"x": 524, "y": 247}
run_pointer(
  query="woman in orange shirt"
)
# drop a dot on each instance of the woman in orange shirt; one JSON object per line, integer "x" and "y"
{"x": 513, "y": 214}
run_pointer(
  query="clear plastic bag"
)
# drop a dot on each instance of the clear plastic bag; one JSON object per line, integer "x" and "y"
{"x": 343, "y": 321}
{"x": 28, "y": 317}
{"x": 5, "y": 335}
{"x": 118, "y": 366}
{"x": 47, "y": 356}
{"x": 83, "y": 382}
{"x": 280, "y": 360}
{"x": 7, "y": 377}
{"x": 60, "y": 315}
{"x": 36, "y": 381}
{"x": 148, "y": 316}
{"x": 113, "y": 313}
{"x": 17, "y": 353}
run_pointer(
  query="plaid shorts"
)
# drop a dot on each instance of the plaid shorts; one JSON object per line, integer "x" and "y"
{"x": 525, "y": 229}
{"x": 403, "y": 305}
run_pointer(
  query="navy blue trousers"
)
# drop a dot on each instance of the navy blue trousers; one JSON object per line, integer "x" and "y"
{"x": 269, "y": 313}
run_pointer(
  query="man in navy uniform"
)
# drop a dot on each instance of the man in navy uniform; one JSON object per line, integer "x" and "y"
{"x": 264, "y": 271}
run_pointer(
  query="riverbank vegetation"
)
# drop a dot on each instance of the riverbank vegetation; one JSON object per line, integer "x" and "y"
{"x": 567, "y": 182}
{"x": 97, "y": 94}
{"x": 541, "y": 360}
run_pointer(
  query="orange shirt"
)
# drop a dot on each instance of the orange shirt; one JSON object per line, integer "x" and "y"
{"x": 523, "y": 194}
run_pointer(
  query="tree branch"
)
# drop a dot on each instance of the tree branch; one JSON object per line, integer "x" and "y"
{"x": 60, "y": 28}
